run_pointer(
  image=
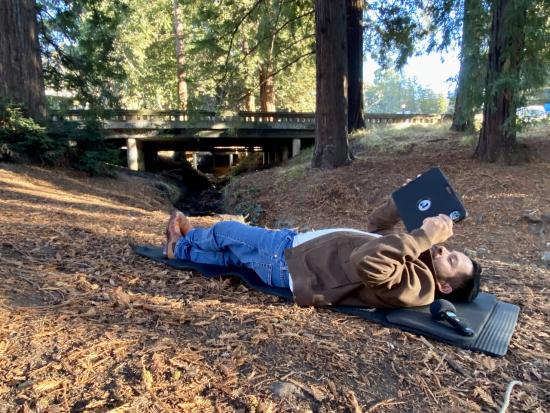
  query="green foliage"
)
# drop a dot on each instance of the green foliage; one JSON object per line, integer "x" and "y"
{"x": 86, "y": 148}
{"x": 469, "y": 140}
{"x": 251, "y": 162}
{"x": 83, "y": 146}
{"x": 21, "y": 138}
{"x": 392, "y": 93}
{"x": 523, "y": 53}
{"x": 392, "y": 29}
{"x": 398, "y": 138}
{"x": 77, "y": 39}
{"x": 225, "y": 44}
{"x": 244, "y": 202}
{"x": 146, "y": 42}
{"x": 535, "y": 62}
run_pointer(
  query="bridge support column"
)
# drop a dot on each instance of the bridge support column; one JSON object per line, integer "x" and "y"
{"x": 296, "y": 146}
{"x": 134, "y": 154}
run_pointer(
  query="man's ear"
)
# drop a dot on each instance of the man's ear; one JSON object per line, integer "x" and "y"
{"x": 444, "y": 287}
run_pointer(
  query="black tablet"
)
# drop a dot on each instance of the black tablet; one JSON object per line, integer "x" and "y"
{"x": 428, "y": 195}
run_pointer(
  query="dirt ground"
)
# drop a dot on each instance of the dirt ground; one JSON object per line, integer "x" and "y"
{"x": 88, "y": 326}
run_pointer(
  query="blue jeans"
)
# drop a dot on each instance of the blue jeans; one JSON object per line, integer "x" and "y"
{"x": 232, "y": 244}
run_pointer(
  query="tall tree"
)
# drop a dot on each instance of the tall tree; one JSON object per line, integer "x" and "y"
{"x": 21, "y": 76}
{"x": 146, "y": 41}
{"x": 469, "y": 89}
{"x": 180, "y": 56}
{"x": 77, "y": 40}
{"x": 331, "y": 138}
{"x": 268, "y": 23}
{"x": 355, "y": 64}
{"x": 391, "y": 92}
{"x": 461, "y": 23}
{"x": 258, "y": 47}
{"x": 497, "y": 140}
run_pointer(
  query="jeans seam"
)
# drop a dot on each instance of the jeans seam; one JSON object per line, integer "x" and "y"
{"x": 236, "y": 239}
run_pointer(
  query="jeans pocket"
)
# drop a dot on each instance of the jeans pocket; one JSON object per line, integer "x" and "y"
{"x": 264, "y": 271}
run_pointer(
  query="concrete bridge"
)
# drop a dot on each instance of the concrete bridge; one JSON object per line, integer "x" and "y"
{"x": 278, "y": 135}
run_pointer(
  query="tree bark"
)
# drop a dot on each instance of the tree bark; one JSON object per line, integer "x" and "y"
{"x": 21, "y": 76}
{"x": 331, "y": 140}
{"x": 180, "y": 57}
{"x": 267, "y": 88}
{"x": 355, "y": 64}
{"x": 248, "y": 102}
{"x": 461, "y": 119}
{"x": 497, "y": 140}
{"x": 465, "y": 103}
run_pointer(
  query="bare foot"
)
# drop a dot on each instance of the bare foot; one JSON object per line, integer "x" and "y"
{"x": 173, "y": 233}
{"x": 185, "y": 225}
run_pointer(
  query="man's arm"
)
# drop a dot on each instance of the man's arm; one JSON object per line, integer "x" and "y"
{"x": 390, "y": 266}
{"x": 383, "y": 218}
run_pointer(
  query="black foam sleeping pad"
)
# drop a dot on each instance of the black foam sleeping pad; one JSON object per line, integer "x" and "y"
{"x": 493, "y": 321}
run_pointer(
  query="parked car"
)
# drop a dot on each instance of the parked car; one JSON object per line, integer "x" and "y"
{"x": 531, "y": 113}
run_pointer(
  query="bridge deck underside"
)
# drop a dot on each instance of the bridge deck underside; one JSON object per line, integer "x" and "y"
{"x": 207, "y": 140}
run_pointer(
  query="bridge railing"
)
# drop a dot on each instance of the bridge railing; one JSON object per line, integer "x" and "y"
{"x": 124, "y": 115}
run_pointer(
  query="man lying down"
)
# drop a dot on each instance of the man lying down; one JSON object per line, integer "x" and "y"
{"x": 338, "y": 266}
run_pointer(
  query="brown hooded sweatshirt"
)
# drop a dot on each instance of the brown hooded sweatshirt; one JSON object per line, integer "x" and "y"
{"x": 347, "y": 268}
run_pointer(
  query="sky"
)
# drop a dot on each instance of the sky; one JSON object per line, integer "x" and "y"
{"x": 431, "y": 70}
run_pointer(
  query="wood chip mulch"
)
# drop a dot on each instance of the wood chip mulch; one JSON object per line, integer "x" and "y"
{"x": 88, "y": 326}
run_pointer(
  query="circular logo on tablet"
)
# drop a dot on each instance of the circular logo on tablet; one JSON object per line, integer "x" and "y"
{"x": 424, "y": 205}
{"x": 454, "y": 215}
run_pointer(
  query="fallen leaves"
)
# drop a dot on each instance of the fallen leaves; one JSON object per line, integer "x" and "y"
{"x": 85, "y": 324}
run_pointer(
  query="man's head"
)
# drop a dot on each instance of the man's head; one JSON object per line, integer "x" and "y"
{"x": 457, "y": 276}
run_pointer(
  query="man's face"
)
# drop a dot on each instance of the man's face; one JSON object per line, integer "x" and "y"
{"x": 450, "y": 264}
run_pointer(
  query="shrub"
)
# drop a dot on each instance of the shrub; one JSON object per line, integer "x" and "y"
{"x": 82, "y": 145}
{"x": 87, "y": 149}
{"x": 22, "y": 139}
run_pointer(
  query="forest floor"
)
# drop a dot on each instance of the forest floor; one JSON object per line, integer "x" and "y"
{"x": 88, "y": 326}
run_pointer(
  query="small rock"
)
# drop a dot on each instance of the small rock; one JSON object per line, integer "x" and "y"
{"x": 482, "y": 251}
{"x": 546, "y": 258}
{"x": 287, "y": 391}
{"x": 532, "y": 217}
{"x": 536, "y": 228}
{"x": 470, "y": 253}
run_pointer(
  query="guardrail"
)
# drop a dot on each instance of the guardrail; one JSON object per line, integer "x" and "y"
{"x": 243, "y": 117}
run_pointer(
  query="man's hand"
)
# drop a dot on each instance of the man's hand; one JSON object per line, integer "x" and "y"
{"x": 438, "y": 229}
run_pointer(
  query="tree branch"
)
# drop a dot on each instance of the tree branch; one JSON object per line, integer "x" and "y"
{"x": 253, "y": 49}
{"x": 276, "y": 72}
{"x": 234, "y": 32}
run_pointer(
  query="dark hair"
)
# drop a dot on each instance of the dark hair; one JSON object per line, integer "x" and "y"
{"x": 469, "y": 289}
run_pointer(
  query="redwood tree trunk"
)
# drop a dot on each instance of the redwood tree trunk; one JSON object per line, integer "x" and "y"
{"x": 497, "y": 140}
{"x": 465, "y": 103}
{"x": 355, "y": 64}
{"x": 331, "y": 140}
{"x": 267, "y": 88}
{"x": 249, "y": 102}
{"x": 180, "y": 57}
{"x": 21, "y": 76}
{"x": 461, "y": 119}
